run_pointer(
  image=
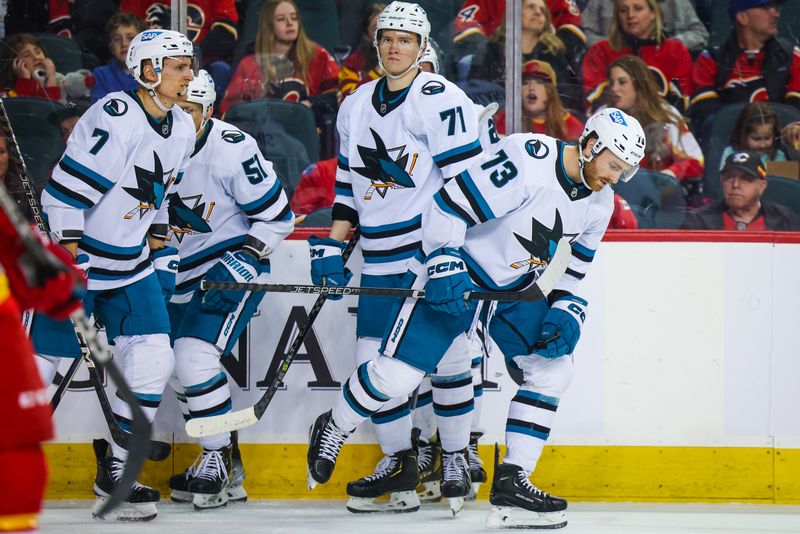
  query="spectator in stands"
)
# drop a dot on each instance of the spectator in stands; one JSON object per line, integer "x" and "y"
{"x": 211, "y": 25}
{"x": 637, "y": 29}
{"x": 671, "y": 147}
{"x": 65, "y": 119}
{"x": 756, "y": 129}
{"x": 121, "y": 29}
{"x": 752, "y": 65}
{"x": 315, "y": 188}
{"x": 542, "y": 111}
{"x": 361, "y": 66}
{"x": 679, "y": 16}
{"x": 25, "y": 70}
{"x": 744, "y": 179}
{"x": 286, "y": 64}
{"x": 623, "y": 217}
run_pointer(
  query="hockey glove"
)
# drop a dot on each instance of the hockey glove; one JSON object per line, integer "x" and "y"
{"x": 239, "y": 266}
{"x": 327, "y": 268}
{"x": 448, "y": 280}
{"x": 165, "y": 261}
{"x": 561, "y": 327}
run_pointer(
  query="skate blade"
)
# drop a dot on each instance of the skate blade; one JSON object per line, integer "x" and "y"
{"x": 399, "y": 502}
{"x": 181, "y": 497}
{"x": 202, "y": 501}
{"x": 310, "y": 481}
{"x": 129, "y": 512}
{"x": 430, "y": 492}
{"x": 473, "y": 491}
{"x": 236, "y": 494}
{"x": 456, "y": 504}
{"x": 514, "y": 517}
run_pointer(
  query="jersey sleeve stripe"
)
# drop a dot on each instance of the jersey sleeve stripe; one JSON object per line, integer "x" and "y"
{"x": 343, "y": 212}
{"x": 579, "y": 252}
{"x": 447, "y": 205}
{"x": 583, "y": 249}
{"x": 343, "y": 188}
{"x": 454, "y": 155}
{"x": 391, "y": 230}
{"x": 85, "y": 174}
{"x": 68, "y": 197}
{"x": 284, "y": 215}
{"x": 474, "y": 197}
{"x": 393, "y": 254}
{"x": 575, "y": 274}
{"x": 190, "y": 262}
{"x": 97, "y": 273}
{"x": 263, "y": 203}
{"x": 343, "y": 163}
{"x": 106, "y": 250}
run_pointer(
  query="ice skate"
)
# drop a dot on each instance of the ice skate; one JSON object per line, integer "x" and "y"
{"x": 455, "y": 479}
{"x": 476, "y": 471}
{"x": 396, "y": 477}
{"x": 140, "y": 504}
{"x": 211, "y": 478}
{"x": 179, "y": 484}
{"x": 236, "y": 492}
{"x": 430, "y": 470}
{"x": 516, "y": 503}
{"x": 324, "y": 443}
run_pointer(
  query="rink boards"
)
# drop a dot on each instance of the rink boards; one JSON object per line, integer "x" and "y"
{"x": 685, "y": 383}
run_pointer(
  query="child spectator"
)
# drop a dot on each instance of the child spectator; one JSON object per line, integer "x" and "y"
{"x": 756, "y": 129}
{"x": 671, "y": 147}
{"x": 121, "y": 29}
{"x": 542, "y": 111}
{"x": 362, "y": 65}
{"x": 25, "y": 70}
{"x": 638, "y": 29}
{"x": 286, "y": 63}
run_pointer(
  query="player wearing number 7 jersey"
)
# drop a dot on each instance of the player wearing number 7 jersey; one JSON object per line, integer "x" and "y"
{"x": 230, "y": 214}
{"x": 496, "y": 226}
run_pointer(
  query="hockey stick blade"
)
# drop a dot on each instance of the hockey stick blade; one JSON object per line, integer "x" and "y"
{"x": 539, "y": 291}
{"x": 218, "y": 424}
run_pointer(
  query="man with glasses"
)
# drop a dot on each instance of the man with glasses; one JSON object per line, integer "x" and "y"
{"x": 744, "y": 180}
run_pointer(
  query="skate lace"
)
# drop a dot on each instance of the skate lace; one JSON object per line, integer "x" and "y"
{"x": 331, "y": 442}
{"x": 526, "y": 483}
{"x": 211, "y": 467}
{"x": 425, "y": 457}
{"x": 385, "y": 466}
{"x": 455, "y": 465}
{"x": 116, "y": 469}
{"x": 475, "y": 461}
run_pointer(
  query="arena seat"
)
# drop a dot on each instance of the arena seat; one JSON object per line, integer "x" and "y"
{"x": 784, "y": 191}
{"x": 656, "y": 199}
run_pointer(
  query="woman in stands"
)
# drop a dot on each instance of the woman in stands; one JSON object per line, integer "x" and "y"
{"x": 671, "y": 147}
{"x": 25, "y": 70}
{"x": 757, "y": 129}
{"x": 286, "y": 64}
{"x": 361, "y": 66}
{"x": 637, "y": 29}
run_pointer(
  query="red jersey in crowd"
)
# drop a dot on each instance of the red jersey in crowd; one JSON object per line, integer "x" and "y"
{"x": 315, "y": 188}
{"x": 201, "y": 15}
{"x": 485, "y": 16}
{"x": 622, "y": 217}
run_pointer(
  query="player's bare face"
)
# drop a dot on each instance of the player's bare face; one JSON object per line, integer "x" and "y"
{"x": 533, "y": 16}
{"x": 621, "y": 90}
{"x": 636, "y": 18}
{"x": 605, "y": 169}
{"x": 285, "y": 23}
{"x": 176, "y": 73}
{"x": 398, "y": 50}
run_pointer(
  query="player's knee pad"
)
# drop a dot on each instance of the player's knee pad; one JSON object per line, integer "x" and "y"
{"x": 147, "y": 361}
{"x": 549, "y": 376}
{"x": 195, "y": 361}
{"x": 392, "y": 377}
{"x": 367, "y": 348}
{"x": 48, "y": 367}
{"x": 456, "y": 360}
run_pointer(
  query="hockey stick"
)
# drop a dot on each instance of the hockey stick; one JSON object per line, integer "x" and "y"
{"x": 66, "y": 380}
{"x": 218, "y": 424}
{"x": 140, "y": 426}
{"x": 538, "y": 291}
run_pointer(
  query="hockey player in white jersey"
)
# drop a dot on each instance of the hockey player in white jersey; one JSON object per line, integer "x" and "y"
{"x": 496, "y": 226}
{"x": 401, "y": 136}
{"x": 231, "y": 213}
{"x": 107, "y": 200}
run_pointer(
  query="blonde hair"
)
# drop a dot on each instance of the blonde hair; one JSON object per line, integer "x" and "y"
{"x": 615, "y": 35}
{"x": 300, "y": 54}
{"x": 552, "y": 43}
{"x": 650, "y": 105}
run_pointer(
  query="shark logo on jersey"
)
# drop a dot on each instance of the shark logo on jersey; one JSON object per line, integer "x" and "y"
{"x": 115, "y": 108}
{"x": 232, "y": 136}
{"x": 542, "y": 244}
{"x": 384, "y": 172}
{"x": 152, "y": 187}
{"x": 185, "y": 220}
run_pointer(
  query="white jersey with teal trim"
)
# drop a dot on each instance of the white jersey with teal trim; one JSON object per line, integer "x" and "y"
{"x": 509, "y": 212}
{"x": 113, "y": 182}
{"x": 229, "y": 190}
{"x": 395, "y": 152}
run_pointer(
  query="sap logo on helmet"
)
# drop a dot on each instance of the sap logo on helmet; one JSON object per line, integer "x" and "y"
{"x": 150, "y": 35}
{"x": 536, "y": 149}
{"x": 616, "y": 116}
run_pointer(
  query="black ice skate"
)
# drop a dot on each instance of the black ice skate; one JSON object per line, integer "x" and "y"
{"x": 516, "y": 503}
{"x": 397, "y": 476}
{"x": 430, "y": 470}
{"x": 324, "y": 443}
{"x": 209, "y": 484}
{"x": 455, "y": 479}
{"x": 236, "y": 492}
{"x": 140, "y": 504}
{"x": 476, "y": 471}
{"x": 179, "y": 484}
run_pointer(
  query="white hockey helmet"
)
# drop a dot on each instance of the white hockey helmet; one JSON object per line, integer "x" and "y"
{"x": 407, "y": 17}
{"x": 617, "y": 131}
{"x": 156, "y": 45}
{"x": 430, "y": 56}
{"x": 202, "y": 91}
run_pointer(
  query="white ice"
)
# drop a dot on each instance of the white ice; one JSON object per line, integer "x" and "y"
{"x": 330, "y": 517}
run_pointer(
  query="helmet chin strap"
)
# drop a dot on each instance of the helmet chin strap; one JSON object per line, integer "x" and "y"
{"x": 398, "y": 76}
{"x": 582, "y": 161}
{"x": 151, "y": 90}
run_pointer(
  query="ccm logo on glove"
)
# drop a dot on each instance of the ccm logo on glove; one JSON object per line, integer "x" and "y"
{"x": 445, "y": 267}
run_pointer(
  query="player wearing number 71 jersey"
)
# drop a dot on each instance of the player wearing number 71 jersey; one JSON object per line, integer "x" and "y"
{"x": 496, "y": 226}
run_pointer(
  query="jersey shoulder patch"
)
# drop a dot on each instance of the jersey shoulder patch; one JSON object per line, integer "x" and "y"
{"x": 232, "y": 136}
{"x": 537, "y": 149}
{"x": 115, "y": 107}
{"x": 432, "y": 87}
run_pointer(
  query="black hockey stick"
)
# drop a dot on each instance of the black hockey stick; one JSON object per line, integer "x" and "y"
{"x": 140, "y": 426}
{"x": 66, "y": 380}
{"x": 538, "y": 291}
{"x": 218, "y": 424}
